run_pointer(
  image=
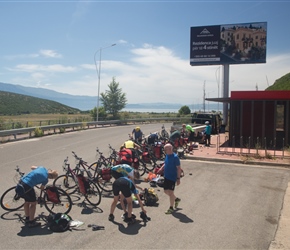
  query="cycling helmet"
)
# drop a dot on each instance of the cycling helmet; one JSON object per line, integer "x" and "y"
{"x": 137, "y": 128}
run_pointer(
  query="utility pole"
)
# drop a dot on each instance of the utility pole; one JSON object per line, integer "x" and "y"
{"x": 204, "y": 97}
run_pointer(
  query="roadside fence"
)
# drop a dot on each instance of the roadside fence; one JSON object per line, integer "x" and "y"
{"x": 254, "y": 147}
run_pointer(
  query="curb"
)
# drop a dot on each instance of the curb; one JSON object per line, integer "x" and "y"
{"x": 273, "y": 164}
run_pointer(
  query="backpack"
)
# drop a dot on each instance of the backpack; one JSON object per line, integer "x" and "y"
{"x": 150, "y": 197}
{"x": 60, "y": 222}
{"x": 125, "y": 156}
{"x": 106, "y": 174}
{"x": 52, "y": 194}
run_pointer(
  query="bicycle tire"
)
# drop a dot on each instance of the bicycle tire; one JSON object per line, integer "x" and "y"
{"x": 93, "y": 195}
{"x": 10, "y": 201}
{"x": 141, "y": 168}
{"x": 105, "y": 185}
{"x": 93, "y": 167}
{"x": 66, "y": 183}
{"x": 64, "y": 206}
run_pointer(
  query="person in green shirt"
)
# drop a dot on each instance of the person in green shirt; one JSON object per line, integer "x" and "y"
{"x": 190, "y": 131}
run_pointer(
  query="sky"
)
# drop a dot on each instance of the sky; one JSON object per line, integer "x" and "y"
{"x": 59, "y": 45}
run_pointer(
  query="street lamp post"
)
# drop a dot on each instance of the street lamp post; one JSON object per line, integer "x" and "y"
{"x": 99, "y": 74}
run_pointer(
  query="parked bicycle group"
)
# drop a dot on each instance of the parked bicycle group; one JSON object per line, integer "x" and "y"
{"x": 158, "y": 153}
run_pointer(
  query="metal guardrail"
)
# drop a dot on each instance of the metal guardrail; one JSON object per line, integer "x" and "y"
{"x": 81, "y": 125}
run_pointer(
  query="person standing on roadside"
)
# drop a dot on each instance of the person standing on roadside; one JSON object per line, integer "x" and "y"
{"x": 207, "y": 134}
{"x": 172, "y": 173}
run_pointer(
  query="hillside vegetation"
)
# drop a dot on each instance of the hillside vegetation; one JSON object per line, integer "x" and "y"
{"x": 16, "y": 104}
{"x": 282, "y": 83}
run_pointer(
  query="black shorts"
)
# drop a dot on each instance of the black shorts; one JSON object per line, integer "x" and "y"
{"x": 191, "y": 136}
{"x": 169, "y": 184}
{"x": 122, "y": 185}
{"x": 27, "y": 192}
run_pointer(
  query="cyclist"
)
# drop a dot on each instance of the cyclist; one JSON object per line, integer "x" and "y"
{"x": 131, "y": 145}
{"x": 137, "y": 134}
{"x": 190, "y": 130}
{"x": 124, "y": 170}
{"x": 25, "y": 189}
{"x": 126, "y": 187}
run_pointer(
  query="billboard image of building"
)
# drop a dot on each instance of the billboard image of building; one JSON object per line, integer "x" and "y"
{"x": 228, "y": 44}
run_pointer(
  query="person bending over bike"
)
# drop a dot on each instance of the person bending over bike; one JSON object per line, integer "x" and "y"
{"x": 124, "y": 170}
{"x": 137, "y": 134}
{"x": 129, "y": 144}
{"x": 126, "y": 187}
{"x": 25, "y": 189}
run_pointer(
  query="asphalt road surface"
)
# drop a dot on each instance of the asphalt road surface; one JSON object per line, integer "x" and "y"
{"x": 223, "y": 206}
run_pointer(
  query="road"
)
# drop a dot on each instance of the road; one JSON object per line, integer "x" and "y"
{"x": 223, "y": 206}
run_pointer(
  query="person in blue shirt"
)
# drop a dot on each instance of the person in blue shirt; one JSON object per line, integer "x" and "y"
{"x": 137, "y": 134}
{"x": 25, "y": 189}
{"x": 126, "y": 187}
{"x": 207, "y": 133}
{"x": 172, "y": 174}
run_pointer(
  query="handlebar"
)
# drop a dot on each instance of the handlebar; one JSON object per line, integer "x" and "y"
{"x": 17, "y": 169}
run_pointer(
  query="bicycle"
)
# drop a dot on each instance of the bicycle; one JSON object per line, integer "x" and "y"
{"x": 102, "y": 169}
{"x": 11, "y": 201}
{"x": 74, "y": 181}
{"x": 101, "y": 164}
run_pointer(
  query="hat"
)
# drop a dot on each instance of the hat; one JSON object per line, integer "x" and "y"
{"x": 207, "y": 122}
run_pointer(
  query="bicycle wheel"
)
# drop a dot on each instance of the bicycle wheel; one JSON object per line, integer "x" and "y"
{"x": 150, "y": 163}
{"x": 105, "y": 185}
{"x": 93, "y": 195}
{"x": 63, "y": 206}
{"x": 141, "y": 168}
{"x": 10, "y": 201}
{"x": 93, "y": 168}
{"x": 66, "y": 182}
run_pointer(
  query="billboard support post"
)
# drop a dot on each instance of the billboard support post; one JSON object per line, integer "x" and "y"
{"x": 226, "y": 76}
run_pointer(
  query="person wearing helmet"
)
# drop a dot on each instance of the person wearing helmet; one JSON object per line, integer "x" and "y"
{"x": 207, "y": 134}
{"x": 137, "y": 134}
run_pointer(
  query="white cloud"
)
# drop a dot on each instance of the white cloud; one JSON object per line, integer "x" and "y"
{"x": 45, "y": 68}
{"x": 49, "y": 53}
{"x": 155, "y": 74}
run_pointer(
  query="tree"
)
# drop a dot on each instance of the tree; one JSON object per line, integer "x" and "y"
{"x": 113, "y": 99}
{"x": 102, "y": 113}
{"x": 184, "y": 110}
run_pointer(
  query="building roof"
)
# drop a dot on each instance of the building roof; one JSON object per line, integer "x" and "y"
{"x": 254, "y": 95}
{"x": 261, "y": 95}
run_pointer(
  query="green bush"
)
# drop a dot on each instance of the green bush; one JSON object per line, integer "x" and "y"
{"x": 61, "y": 129}
{"x": 38, "y": 132}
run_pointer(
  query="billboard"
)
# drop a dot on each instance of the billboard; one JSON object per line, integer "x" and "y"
{"x": 228, "y": 44}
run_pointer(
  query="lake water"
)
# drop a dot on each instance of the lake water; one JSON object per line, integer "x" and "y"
{"x": 145, "y": 110}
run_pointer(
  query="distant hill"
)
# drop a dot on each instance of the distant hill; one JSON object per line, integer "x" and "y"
{"x": 282, "y": 83}
{"x": 76, "y": 101}
{"x": 16, "y": 104}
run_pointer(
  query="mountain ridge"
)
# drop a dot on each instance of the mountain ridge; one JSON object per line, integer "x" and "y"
{"x": 75, "y": 101}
